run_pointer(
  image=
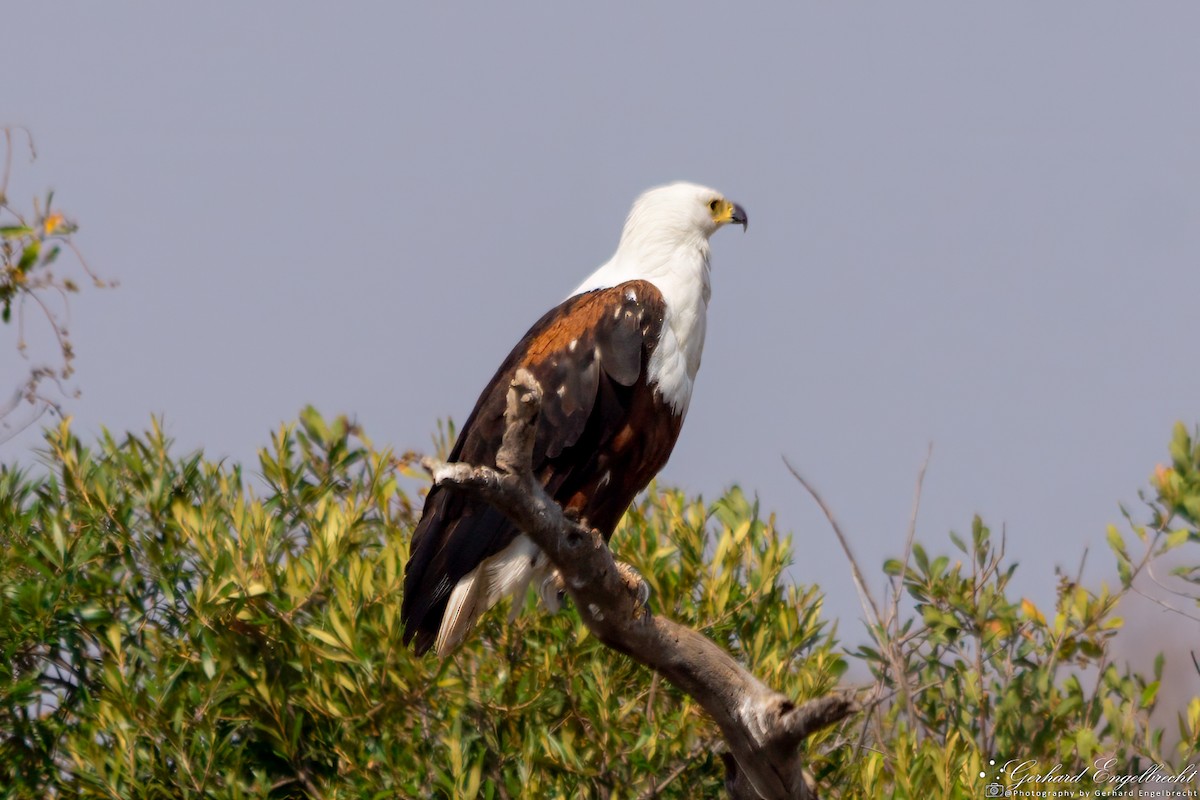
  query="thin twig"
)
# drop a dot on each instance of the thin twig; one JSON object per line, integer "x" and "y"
{"x": 864, "y": 596}
{"x": 662, "y": 785}
{"x": 8, "y": 150}
{"x": 898, "y": 583}
{"x": 893, "y": 646}
{"x": 1165, "y": 605}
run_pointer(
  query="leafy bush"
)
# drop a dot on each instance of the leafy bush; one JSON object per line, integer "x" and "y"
{"x": 974, "y": 675}
{"x": 169, "y": 630}
{"x": 971, "y": 675}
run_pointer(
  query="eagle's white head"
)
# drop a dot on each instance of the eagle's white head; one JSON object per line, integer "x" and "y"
{"x": 665, "y": 238}
{"x": 678, "y": 215}
{"x": 665, "y": 242}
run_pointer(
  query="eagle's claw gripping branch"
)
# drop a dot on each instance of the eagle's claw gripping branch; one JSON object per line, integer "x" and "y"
{"x": 761, "y": 727}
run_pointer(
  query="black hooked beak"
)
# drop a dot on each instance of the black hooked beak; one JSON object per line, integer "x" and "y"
{"x": 738, "y": 216}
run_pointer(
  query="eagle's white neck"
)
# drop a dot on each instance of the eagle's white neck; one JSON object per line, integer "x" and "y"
{"x": 679, "y": 268}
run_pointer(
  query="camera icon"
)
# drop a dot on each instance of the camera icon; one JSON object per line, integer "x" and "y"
{"x": 993, "y": 790}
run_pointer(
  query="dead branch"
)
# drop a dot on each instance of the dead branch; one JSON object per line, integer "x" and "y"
{"x": 762, "y": 728}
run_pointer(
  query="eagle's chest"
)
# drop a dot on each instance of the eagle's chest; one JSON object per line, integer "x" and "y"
{"x": 676, "y": 357}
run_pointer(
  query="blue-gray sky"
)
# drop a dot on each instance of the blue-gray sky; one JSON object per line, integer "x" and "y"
{"x": 972, "y": 224}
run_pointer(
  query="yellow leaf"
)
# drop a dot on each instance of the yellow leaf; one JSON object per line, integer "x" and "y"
{"x": 1162, "y": 476}
{"x": 325, "y": 636}
{"x": 114, "y": 638}
{"x": 52, "y": 223}
{"x": 343, "y": 632}
{"x": 1031, "y": 611}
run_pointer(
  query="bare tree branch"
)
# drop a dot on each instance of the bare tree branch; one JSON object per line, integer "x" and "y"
{"x": 762, "y": 728}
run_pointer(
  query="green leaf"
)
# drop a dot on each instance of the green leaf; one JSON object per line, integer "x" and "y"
{"x": 1181, "y": 447}
{"x": 1086, "y": 743}
{"x": 1177, "y": 537}
{"x": 207, "y": 664}
{"x": 920, "y": 558}
{"x": 958, "y": 541}
{"x": 325, "y": 636}
{"x": 1115, "y": 540}
{"x": 28, "y": 256}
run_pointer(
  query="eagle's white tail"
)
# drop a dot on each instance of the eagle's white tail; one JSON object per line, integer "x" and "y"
{"x": 506, "y": 574}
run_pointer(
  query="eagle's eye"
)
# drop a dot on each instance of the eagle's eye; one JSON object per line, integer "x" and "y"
{"x": 713, "y": 205}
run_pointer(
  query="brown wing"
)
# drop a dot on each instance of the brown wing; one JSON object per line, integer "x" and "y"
{"x": 589, "y": 355}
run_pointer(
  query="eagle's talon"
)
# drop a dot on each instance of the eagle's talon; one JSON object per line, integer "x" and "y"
{"x": 553, "y": 591}
{"x": 635, "y": 583}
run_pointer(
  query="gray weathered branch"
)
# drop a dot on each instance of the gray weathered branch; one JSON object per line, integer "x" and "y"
{"x": 762, "y": 727}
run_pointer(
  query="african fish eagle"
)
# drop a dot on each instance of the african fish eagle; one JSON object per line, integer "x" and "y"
{"x": 616, "y": 362}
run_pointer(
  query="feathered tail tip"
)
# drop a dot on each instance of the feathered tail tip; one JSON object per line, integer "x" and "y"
{"x": 466, "y": 605}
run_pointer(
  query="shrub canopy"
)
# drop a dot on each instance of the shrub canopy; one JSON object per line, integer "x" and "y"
{"x": 170, "y": 628}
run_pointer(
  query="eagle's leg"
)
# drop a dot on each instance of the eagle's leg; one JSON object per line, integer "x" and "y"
{"x": 635, "y": 583}
{"x": 553, "y": 591}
